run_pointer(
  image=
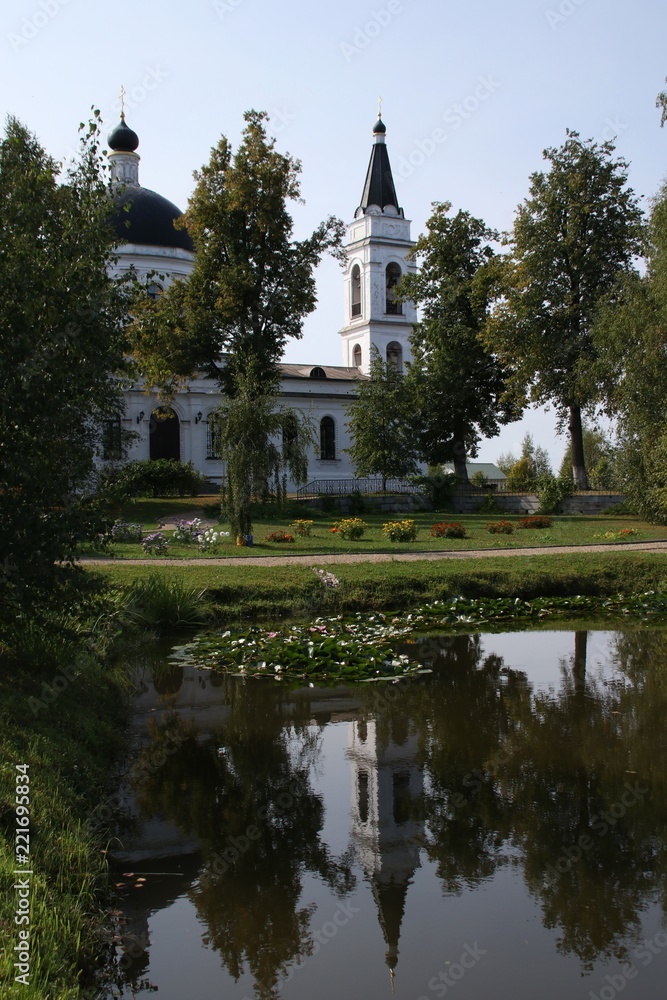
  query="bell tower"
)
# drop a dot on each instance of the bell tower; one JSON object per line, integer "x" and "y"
{"x": 377, "y": 248}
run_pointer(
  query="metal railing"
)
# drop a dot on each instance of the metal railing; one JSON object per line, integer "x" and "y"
{"x": 343, "y": 487}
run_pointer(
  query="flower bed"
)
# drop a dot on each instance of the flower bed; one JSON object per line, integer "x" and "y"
{"x": 400, "y": 531}
{"x": 449, "y": 529}
{"x": 349, "y": 527}
{"x": 279, "y": 536}
{"x": 499, "y": 527}
{"x": 302, "y": 527}
{"x": 535, "y": 521}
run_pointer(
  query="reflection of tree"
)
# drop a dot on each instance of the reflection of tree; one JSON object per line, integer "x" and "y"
{"x": 540, "y": 772}
{"x": 245, "y": 793}
{"x": 578, "y": 809}
{"x": 467, "y": 721}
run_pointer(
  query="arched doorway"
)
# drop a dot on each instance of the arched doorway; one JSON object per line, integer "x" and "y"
{"x": 165, "y": 434}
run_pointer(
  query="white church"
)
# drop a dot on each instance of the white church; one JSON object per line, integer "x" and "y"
{"x": 376, "y": 258}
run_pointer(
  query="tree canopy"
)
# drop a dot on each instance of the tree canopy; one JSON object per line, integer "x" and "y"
{"x": 577, "y": 231}
{"x": 61, "y": 351}
{"x": 382, "y": 440}
{"x": 458, "y": 386}
{"x": 252, "y": 283}
{"x": 251, "y": 287}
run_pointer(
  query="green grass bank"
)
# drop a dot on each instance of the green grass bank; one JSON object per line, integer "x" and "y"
{"x": 238, "y": 592}
{"x": 63, "y": 717}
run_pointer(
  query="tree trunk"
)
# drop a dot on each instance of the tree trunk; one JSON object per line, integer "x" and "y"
{"x": 577, "y": 442}
{"x": 579, "y": 665}
{"x": 460, "y": 468}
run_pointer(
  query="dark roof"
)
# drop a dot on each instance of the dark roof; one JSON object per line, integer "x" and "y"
{"x": 330, "y": 371}
{"x": 379, "y": 187}
{"x": 149, "y": 220}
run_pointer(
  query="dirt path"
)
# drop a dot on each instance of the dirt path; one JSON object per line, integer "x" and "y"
{"x": 330, "y": 559}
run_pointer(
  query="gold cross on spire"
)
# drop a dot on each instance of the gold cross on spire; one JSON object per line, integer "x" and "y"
{"x": 379, "y": 108}
{"x": 122, "y": 102}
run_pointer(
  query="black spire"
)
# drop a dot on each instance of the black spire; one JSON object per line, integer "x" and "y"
{"x": 379, "y": 187}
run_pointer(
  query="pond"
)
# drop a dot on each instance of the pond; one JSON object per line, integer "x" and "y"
{"x": 496, "y": 827}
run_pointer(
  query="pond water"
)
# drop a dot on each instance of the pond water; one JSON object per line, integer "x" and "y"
{"x": 496, "y": 828}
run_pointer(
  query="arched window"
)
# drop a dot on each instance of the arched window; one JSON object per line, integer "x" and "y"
{"x": 318, "y": 373}
{"x": 356, "y": 356}
{"x": 111, "y": 440}
{"x": 214, "y": 435}
{"x": 395, "y": 355}
{"x": 327, "y": 438}
{"x": 154, "y": 290}
{"x": 393, "y": 276}
{"x": 356, "y": 291}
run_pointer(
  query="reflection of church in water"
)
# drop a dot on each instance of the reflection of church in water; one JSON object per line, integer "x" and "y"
{"x": 387, "y": 795}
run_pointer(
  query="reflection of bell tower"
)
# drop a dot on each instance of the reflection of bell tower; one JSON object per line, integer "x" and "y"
{"x": 378, "y": 244}
{"x": 387, "y": 790}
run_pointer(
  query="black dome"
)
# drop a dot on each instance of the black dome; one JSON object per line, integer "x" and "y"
{"x": 123, "y": 139}
{"x": 379, "y": 127}
{"x": 149, "y": 220}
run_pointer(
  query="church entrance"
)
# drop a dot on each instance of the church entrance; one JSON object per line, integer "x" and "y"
{"x": 165, "y": 434}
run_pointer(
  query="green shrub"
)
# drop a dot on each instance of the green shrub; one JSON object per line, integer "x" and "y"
{"x": 163, "y": 477}
{"x": 438, "y": 489}
{"x": 499, "y": 527}
{"x": 400, "y": 531}
{"x": 489, "y": 505}
{"x": 349, "y": 527}
{"x": 535, "y": 521}
{"x": 552, "y": 492}
{"x": 448, "y": 529}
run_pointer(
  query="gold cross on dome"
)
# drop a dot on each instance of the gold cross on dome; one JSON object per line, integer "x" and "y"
{"x": 122, "y": 102}
{"x": 379, "y": 108}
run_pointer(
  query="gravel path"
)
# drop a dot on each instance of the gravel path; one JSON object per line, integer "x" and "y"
{"x": 329, "y": 559}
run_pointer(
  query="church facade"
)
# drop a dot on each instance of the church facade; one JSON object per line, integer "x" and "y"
{"x": 376, "y": 251}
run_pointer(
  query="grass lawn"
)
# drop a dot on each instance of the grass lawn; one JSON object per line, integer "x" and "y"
{"x": 267, "y": 591}
{"x": 577, "y": 529}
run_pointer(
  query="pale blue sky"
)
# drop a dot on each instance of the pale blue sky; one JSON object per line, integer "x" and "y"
{"x": 500, "y": 80}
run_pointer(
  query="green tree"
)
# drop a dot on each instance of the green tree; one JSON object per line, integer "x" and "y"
{"x": 631, "y": 342}
{"x": 572, "y": 237}
{"x": 458, "y": 386}
{"x": 530, "y": 466}
{"x": 599, "y": 454}
{"x": 61, "y": 349}
{"x": 251, "y": 287}
{"x": 382, "y": 441}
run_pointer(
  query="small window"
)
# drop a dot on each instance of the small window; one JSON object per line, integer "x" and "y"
{"x": 356, "y": 356}
{"x": 153, "y": 290}
{"x": 393, "y": 274}
{"x": 214, "y": 436}
{"x": 111, "y": 440}
{"x": 318, "y": 373}
{"x": 327, "y": 438}
{"x": 356, "y": 291}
